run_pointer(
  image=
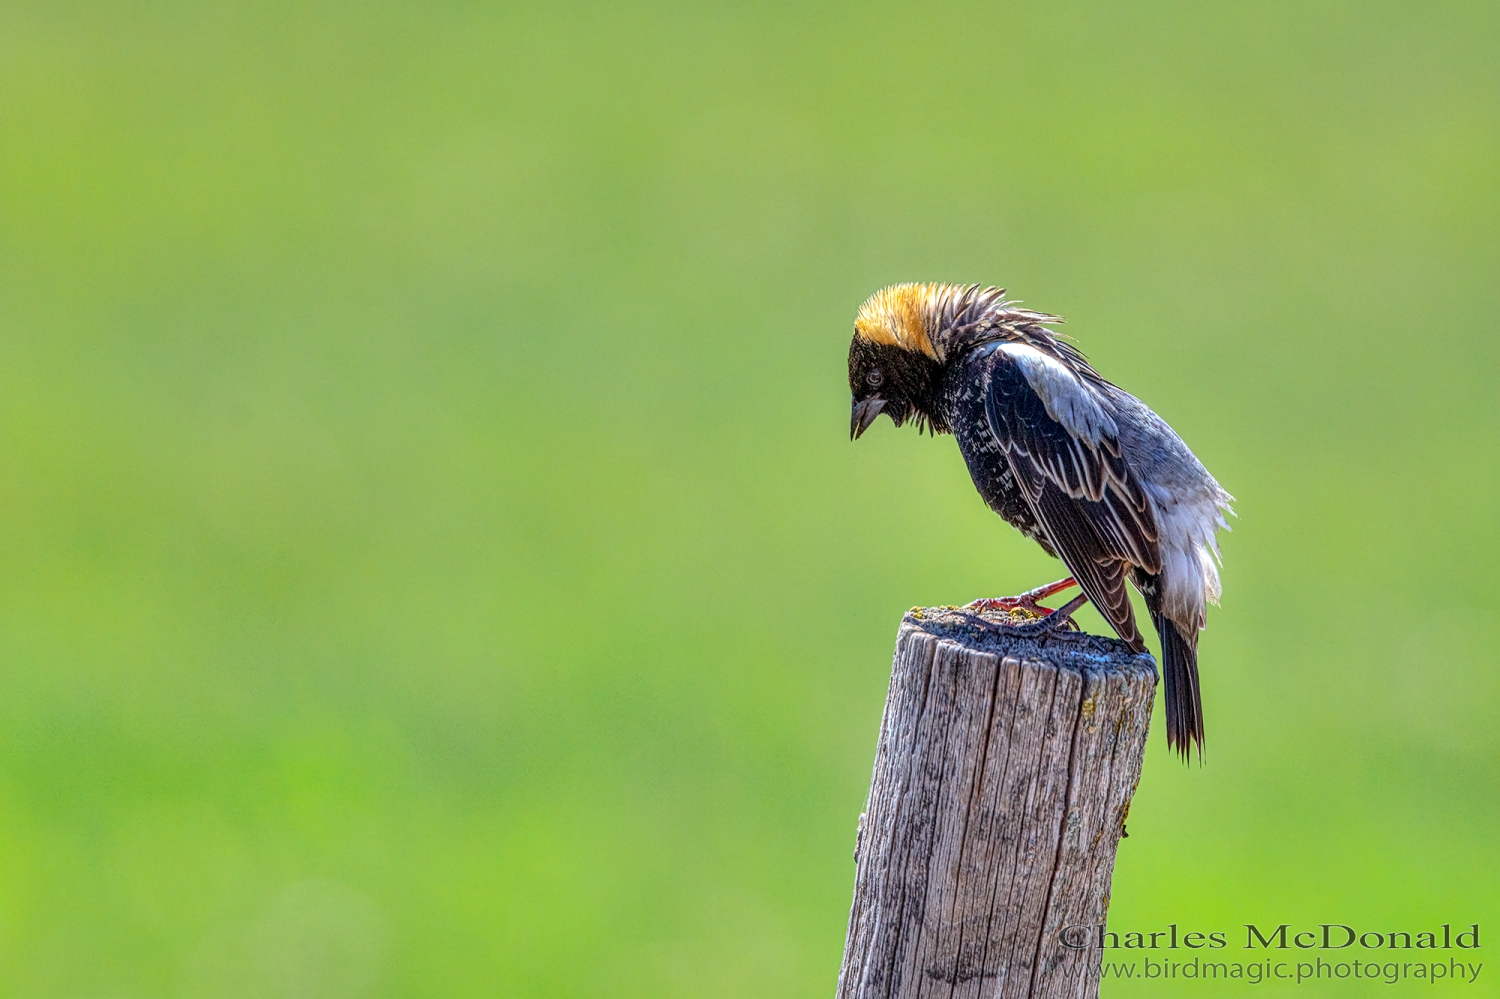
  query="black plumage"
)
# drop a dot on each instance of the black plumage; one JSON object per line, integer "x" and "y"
{"x": 1070, "y": 460}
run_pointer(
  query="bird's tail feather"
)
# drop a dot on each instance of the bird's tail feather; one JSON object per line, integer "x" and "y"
{"x": 1179, "y": 666}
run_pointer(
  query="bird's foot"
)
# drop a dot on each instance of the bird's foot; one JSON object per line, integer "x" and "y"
{"x": 1026, "y": 603}
{"x": 1047, "y": 623}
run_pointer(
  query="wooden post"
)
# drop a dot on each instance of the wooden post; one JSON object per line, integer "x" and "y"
{"x": 1002, "y": 778}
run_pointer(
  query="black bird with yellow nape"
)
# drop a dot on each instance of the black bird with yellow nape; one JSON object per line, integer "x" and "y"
{"x": 1078, "y": 465}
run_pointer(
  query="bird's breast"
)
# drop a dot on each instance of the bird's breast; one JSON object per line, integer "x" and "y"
{"x": 988, "y": 465}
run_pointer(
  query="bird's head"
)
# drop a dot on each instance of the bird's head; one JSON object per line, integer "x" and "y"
{"x": 895, "y": 363}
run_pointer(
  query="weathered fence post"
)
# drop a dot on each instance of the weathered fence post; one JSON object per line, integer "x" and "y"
{"x": 1003, "y": 774}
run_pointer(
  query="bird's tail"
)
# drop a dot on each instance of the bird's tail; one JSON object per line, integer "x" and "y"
{"x": 1179, "y": 666}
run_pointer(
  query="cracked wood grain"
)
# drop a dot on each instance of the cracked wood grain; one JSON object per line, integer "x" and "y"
{"x": 1003, "y": 773}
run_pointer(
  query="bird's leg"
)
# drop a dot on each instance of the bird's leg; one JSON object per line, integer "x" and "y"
{"x": 1060, "y": 619}
{"x": 1026, "y": 601}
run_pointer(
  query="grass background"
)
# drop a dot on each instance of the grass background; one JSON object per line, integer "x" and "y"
{"x": 432, "y": 561}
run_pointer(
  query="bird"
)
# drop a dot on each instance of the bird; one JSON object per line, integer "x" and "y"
{"x": 1072, "y": 461}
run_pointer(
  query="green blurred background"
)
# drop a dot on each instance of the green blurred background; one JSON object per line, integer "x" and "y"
{"x": 432, "y": 560}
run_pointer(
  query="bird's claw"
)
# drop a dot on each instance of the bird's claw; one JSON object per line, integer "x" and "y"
{"x": 1060, "y": 619}
{"x": 1026, "y": 602}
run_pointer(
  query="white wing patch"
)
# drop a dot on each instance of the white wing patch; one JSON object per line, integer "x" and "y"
{"x": 1068, "y": 400}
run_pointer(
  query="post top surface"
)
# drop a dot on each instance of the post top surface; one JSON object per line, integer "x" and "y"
{"x": 1065, "y": 649}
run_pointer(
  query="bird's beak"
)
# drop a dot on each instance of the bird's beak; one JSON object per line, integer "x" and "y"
{"x": 863, "y": 414}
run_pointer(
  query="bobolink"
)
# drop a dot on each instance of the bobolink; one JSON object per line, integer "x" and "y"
{"x": 1078, "y": 465}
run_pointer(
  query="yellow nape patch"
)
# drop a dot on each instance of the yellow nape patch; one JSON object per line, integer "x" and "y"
{"x": 902, "y": 316}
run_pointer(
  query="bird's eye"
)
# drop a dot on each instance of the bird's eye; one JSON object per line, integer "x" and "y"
{"x": 874, "y": 379}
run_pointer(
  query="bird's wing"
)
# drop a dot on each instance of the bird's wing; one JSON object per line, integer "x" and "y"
{"x": 1060, "y": 438}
